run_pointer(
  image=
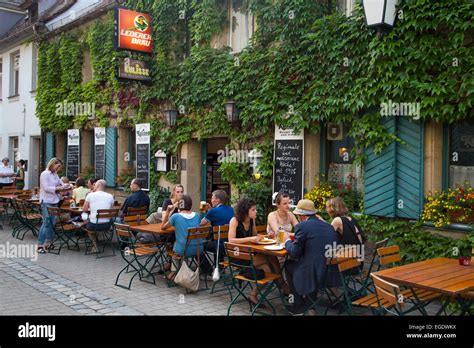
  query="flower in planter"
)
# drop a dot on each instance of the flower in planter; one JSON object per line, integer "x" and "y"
{"x": 452, "y": 205}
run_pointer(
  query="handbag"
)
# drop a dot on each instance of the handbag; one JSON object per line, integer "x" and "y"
{"x": 216, "y": 275}
{"x": 187, "y": 278}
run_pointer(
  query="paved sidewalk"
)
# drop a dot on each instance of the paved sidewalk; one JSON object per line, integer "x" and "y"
{"x": 73, "y": 283}
{"x": 76, "y": 284}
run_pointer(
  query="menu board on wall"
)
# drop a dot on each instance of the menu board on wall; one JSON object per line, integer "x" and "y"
{"x": 143, "y": 154}
{"x": 99, "y": 152}
{"x": 73, "y": 154}
{"x": 288, "y": 169}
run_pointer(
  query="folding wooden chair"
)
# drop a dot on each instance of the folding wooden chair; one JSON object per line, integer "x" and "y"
{"x": 261, "y": 229}
{"x": 199, "y": 234}
{"x": 391, "y": 256}
{"x": 392, "y": 300}
{"x": 241, "y": 259}
{"x": 221, "y": 233}
{"x": 131, "y": 211}
{"x": 65, "y": 233}
{"x": 364, "y": 278}
{"x": 348, "y": 270}
{"x": 27, "y": 219}
{"x": 135, "y": 220}
{"x": 106, "y": 235}
{"x": 136, "y": 257}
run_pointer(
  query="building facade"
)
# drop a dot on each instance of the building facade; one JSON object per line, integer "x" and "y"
{"x": 431, "y": 155}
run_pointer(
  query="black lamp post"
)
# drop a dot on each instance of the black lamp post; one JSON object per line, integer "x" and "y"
{"x": 232, "y": 112}
{"x": 379, "y": 14}
{"x": 171, "y": 116}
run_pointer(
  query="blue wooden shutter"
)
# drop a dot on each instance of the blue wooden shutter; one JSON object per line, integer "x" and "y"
{"x": 110, "y": 156}
{"x": 409, "y": 184}
{"x": 379, "y": 178}
{"x": 49, "y": 153}
{"x": 393, "y": 180}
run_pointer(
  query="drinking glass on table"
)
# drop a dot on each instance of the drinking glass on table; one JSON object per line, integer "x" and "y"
{"x": 280, "y": 235}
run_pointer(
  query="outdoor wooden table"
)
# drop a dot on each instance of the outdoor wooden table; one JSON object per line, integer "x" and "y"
{"x": 440, "y": 275}
{"x": 152, "y": 228}
{"x": 8, "y": 196}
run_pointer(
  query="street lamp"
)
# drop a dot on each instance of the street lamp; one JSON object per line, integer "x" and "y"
{"x": 171, "y": 116}
{"x": 161, "y": 161}
{"x": 379, "y": 14}
{"x": 232, "y": 112}
{"x": 255, "y": 156}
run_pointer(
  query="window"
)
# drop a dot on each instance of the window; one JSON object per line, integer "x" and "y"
{"x": 346, "y": 7}
{"x": 14, "y": 73}
{"x": 34, "y": 72}
{"x": 1, "y": 73}
{"x": 14, "y": 154}
{"x": 461, "y": 154}
{"x": 242, "y": 27}
{"x": 339, "y": 162}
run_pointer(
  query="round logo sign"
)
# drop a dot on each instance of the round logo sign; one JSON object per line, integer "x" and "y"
{"x": 140, "y": 23}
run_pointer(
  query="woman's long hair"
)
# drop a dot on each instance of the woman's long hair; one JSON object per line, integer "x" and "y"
{"x": 336, "y": 207}
{"x": 242, "y": 208}
{"x": 172, "y": 195}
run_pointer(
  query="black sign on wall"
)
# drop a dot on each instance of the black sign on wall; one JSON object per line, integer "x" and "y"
{"x": 288, "y": 168}
{"x": 142, "y": 136}
{"x": 99, "y": 152}
{"x": 143, "y": 164}
{"x": 73, "y": 154}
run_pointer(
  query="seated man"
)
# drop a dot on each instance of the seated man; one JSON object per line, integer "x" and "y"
{"x": 307, "y": 271}
{"x": 99, "y": 199}
{"x": 220, "y": 214}
{"x": 137, "y": 199}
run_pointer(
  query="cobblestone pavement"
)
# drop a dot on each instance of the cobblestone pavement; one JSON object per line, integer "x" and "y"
{"x": 73, "y": 284}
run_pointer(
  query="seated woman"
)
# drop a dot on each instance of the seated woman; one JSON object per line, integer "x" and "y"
{"x": 182, "y": 221}
{"x": 80, "y": 192}
{"x": 347, "y": 227}
{"x": 242, "y": 229}
{"x": 348, "y": 230}
{"x": 282, "y": 218}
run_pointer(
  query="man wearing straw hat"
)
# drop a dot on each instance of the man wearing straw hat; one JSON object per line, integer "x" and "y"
{"x": 306, "y": 271}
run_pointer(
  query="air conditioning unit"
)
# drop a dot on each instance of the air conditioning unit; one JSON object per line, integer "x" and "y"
{"x": 335, "y": 131}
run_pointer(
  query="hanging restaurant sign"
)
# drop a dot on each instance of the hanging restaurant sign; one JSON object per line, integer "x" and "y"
{"x": 133, "y": 30}
{"x": 133, "y": 69}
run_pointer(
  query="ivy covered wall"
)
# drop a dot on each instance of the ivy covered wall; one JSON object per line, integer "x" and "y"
{"x": 305, "y": 64}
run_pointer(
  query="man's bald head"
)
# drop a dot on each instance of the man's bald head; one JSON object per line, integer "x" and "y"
{"x": 100, "y": 185}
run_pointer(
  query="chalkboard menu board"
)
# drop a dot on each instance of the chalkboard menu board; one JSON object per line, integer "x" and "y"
{"x": 142, "y": 132}
{"x": 288, "y": 169}
{"x": 99, "y": 154}
{"x": 143, "y": 164}
{"x": 73, "y": 154}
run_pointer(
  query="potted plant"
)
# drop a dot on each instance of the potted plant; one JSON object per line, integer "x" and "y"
{"x": 453, "y": 205}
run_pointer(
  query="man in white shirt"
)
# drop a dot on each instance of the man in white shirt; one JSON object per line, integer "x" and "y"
{"x": 6, "y": 173}
{"x": 99, "y": 199}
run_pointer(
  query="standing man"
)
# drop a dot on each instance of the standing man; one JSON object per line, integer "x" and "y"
{"x": 50, "y": 195}
{"x": 6, "y": 173}
{"x": 137, "y": 199}
{"x": 306, "y": 272}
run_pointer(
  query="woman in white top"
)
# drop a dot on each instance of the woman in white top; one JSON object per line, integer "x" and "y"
{"x": 282, "y": 217}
